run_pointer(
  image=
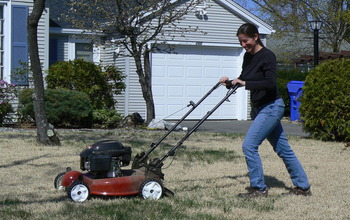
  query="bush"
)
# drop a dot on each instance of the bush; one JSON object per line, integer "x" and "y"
{"x": 5, "y": 109}
{"x": 87, "y": 77}
{"x": 64, "y": 108}
{"x": 7, "y": 94}
{"x": 106, "y": 118}
{"x": 283, "y": 78}
{"x": 325, "y": 103}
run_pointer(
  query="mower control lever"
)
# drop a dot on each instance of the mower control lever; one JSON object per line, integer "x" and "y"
{"x": 191, "y": 104}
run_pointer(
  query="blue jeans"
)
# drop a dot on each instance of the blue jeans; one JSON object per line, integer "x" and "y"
{"x": 267, "y": 124}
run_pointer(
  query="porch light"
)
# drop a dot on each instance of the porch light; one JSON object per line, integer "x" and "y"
{"x": 316, "y": 26}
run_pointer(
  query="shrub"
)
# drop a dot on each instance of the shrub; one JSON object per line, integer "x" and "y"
{"x": 283, "y": 78}
{"x": 325, "y": 103}
{"x": 87, "y": 77}
{"x": 106, "y": 118}
{"x": 7, "y": 94}
{"x": 5, "y": 109}
{"x": 64, "y": 108}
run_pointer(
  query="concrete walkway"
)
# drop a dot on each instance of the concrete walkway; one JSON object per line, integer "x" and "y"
{"x": 241, "y": 127}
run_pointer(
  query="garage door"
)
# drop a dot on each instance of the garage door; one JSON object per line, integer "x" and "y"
{"x": 187, "y": 75}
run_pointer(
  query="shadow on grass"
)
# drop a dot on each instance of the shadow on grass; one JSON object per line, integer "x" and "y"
{"x": 81, "y": 135}
{"x": 90, "y": 136}
{"x": 271, "y": 182}
{"x": 62, "y": 198}
{"x": 17, "y": 202}
{"x": 23, "y": 136}
{"x": 21, "y": 162}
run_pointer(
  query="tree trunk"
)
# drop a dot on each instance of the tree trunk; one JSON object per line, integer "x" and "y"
{"x": 145, "y": 80}
{"x": 148, "y": 77}
{"x": 45, "y": 132}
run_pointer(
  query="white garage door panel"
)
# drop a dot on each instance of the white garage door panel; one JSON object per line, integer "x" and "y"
{"x": 194, "y": 72}
{"x": 188, "y": 75}
{"x": 193, "y": 91}
{"x": 158, "y": 71}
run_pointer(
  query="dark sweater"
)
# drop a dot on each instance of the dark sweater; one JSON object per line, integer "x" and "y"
{"x": 259, "y": 72}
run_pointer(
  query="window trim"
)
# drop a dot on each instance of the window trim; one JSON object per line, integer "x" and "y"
{"x": 71, "y": 49}
{"x": 2, "y": 43}
{"x": 6, "y": 41}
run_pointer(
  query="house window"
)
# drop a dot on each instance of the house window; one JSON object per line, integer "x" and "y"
{"x": 1, "y": 41}
{"x": 84, "y": 51}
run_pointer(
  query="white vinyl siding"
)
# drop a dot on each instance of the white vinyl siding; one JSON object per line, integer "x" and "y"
{"x": 109, "y": 57}
{"x": 136, "y": 102}
{"x": 219, "y": 27}
{"x": 43, "y": 39}
{"x": 131, "y": 100}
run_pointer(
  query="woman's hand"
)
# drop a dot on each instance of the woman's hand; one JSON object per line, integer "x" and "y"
{"x": 241, "y": 82}
{"x": 223, "y": 80}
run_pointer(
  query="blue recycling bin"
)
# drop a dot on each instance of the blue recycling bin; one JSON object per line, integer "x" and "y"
{"x": 295, "y": 91}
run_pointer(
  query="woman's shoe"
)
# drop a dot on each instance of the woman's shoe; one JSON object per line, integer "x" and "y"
{"x": 254, "y": 192}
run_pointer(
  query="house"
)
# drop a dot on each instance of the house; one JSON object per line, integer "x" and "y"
{"x": 186, "y": 75}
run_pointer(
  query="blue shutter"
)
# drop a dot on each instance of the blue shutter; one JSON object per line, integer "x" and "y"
{"x": 19, "y": 43}
{"x": 53, "y": 51}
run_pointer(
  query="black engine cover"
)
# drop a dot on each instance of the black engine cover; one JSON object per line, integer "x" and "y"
{"x": 100, "y": 154}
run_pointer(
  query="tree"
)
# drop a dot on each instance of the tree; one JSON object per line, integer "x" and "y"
{"x": 294, "y": 16}
{"x": 45, "y": 132}
{"x": 136, "y": 25}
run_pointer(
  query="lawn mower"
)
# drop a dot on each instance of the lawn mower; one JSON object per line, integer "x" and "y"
{"x": 104, "y": 160}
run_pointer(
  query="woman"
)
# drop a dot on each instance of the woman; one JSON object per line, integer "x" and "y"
{"x": 259, "y": 76}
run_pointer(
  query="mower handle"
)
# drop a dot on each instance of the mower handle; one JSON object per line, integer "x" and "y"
{"x": 159, "y": 162}
{"x": 194, "y": 106}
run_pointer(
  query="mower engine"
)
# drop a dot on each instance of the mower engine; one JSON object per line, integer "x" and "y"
{"x": 105, "y": 158}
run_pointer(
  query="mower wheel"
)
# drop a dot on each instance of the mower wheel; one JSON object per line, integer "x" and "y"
{"x": 151, "y": 189}
{"x": 78, "y": 191}
{"x": 58, "y": 180}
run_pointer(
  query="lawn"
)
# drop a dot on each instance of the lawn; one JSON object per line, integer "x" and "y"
{"x": 206, "y": 175}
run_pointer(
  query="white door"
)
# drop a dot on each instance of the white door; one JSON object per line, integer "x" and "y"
{"x": 188, "y": 74}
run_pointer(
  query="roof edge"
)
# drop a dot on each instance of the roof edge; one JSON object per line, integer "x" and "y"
{"x": 263, "y": 27}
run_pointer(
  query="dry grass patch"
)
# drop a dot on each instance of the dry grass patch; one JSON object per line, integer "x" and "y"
{"x": 206, "y": 175}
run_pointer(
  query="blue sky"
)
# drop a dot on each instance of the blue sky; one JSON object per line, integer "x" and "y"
{"x": 249, "y": 5}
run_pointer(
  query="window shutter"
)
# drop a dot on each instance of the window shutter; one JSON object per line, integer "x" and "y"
{"x": 53, "y": 51}
{"x": 19, "y": 43}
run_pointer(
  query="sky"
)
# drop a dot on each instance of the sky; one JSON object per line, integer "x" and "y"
{"x": 249, "y": 5}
